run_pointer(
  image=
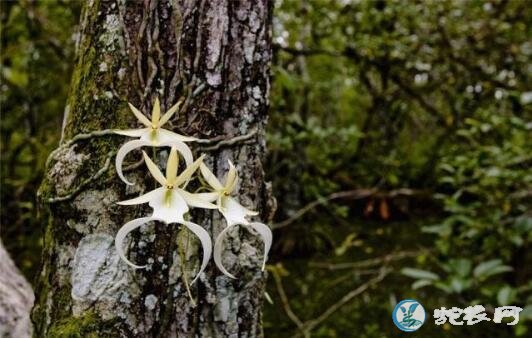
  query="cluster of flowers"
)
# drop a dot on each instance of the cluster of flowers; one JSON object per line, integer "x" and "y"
{"x": 171, "y": 201}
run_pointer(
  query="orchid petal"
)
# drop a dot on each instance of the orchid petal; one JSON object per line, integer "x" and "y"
{"x": 234, "y": 212}
{"x": 141, "y": 199}
{"x": 121, "y": 154}
{"x": 132, "y": 132}
{"x": 266, "y": 233}
{"x": 168, "y": 206}
{"x": 154, "y": 170}
{"x": 181, "y": 148}
{"x": 141, "y": 117}
{"x": 166, "y": 136}
{"x": 210, "y": 177}
{"x": 208, "y": 196}
{"x": 123, "y": 232}
{"x": 218, "y": 248}
{"x": 189, "y": 171}
{"x": 231, "y": 178}
{"x": 263, "y": 230}
{"x": 171, "y": 166}
{"x": 196, "y": 201}
{"x": 169, "y": 113}
{"x": 206, "y": 244}
{"x": 156, "y": 113}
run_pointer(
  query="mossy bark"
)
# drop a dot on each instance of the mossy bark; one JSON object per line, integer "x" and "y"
{"x": 216, "y": 54}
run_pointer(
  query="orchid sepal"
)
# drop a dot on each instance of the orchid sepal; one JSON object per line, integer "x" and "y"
{"x": 197, "y": 230}
{"x": 170, "y": 202}
{"x": 234, "y": 214}
{"x": 264, "y": 232}
{"x": 152, "y": 135}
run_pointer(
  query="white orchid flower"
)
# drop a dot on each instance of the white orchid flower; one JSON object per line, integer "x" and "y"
{"x": 152, "y": 135}
{"x": 170, "y": 203}
{"x": 233, "y": 212}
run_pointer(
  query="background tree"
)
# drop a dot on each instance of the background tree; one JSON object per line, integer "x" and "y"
{"x": 398, "y": 148}
{"x": 213, "y": 54}
{"x": 16, "y": 299}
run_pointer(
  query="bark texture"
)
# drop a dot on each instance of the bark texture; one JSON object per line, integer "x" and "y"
{"x": 16, "y": 299}
{"x": 216, "y": 54}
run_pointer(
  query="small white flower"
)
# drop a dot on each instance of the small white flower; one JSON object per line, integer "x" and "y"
{"x": 170, "y": 203}
{"x": 233, "y": 212}
{"x": 152, "y": 135}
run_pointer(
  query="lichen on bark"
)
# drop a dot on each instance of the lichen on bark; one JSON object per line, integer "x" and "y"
{"x": 215, "y": 54}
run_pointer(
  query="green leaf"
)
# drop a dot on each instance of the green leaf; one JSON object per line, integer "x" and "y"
{"x": 458, "y": 284}
{"x": 461, "y": 266}
{"x": 490, "y": 268}
{"x": 443, "y": 230}
{"x": 506, "y": 295}
{"x": 346, "y": 244}
{"x": 444, "y": 287}
{"x": 421, "y": 283}
{"x": 526, "y": 313}
{"x": 419, "y": 274}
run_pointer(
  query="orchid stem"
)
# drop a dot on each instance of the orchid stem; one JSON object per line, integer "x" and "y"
{"x": 182, "y": 258}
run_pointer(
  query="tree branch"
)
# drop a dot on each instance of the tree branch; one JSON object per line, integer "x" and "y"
{"x": 285, "y": 302}
{"x": 353, "y": 194}
{"x": 365, "y": 263}
{"x": 313, "y": 323}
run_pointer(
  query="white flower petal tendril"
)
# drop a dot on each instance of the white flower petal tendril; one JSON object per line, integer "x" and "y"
{"x": 170, "y": 203}
{"x": 197, "y": 230}
{"x": 234, "y": 214}
{"x": 152, "y": 135}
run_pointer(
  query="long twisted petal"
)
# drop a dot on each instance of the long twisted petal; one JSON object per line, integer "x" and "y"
{"x": 266, "y": 233}
{"x": 182, "y": 148}
{"x": 206, "y": 244}
{"x": 218, "y": 248}
{"x": 263, "y": 230}
{"x": 123, "y": 232}
{"x": 121, "y": 154}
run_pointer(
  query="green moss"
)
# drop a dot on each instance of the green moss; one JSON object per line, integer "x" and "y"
{"x": 87, "y": 325}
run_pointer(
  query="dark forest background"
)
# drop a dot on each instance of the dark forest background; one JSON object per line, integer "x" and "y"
{"x": 400, "y": 153}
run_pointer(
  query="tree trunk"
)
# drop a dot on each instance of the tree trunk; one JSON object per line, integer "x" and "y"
{"x": 216, "y": 54}
{"x": 16, "y": 299}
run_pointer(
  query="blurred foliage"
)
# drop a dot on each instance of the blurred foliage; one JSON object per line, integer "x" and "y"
{"x": 37, "y": 55}
{"x": 399, "y": 141}
{"x": 421, "y": 113}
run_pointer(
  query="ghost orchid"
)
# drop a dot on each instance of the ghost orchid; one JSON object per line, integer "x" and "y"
{"x": 152, "y": 135}
{"x": 233, "y": 212}
{"x": 170, "y": 203}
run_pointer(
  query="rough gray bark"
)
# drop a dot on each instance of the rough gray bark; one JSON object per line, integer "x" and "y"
{"x": 214, "y": 53}
{"x": 16, "y": 299}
